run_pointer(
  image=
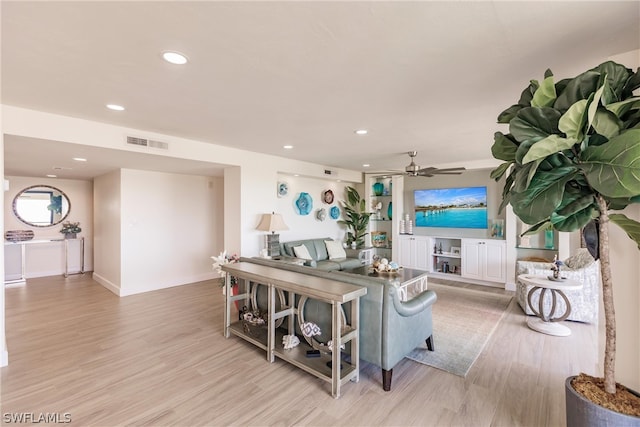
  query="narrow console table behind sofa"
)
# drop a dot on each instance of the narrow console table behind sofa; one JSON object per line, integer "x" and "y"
{"x": 330, "y": 291}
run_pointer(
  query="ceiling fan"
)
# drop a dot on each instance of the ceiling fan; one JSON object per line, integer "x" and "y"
{"x": 414, "y": 170}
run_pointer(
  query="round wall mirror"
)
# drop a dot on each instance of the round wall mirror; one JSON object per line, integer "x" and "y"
{"x": 41, "y": 206}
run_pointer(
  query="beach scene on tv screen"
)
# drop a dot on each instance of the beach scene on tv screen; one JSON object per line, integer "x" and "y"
{"x": 451, "y": 207}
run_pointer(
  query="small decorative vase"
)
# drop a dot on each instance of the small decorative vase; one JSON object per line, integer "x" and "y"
{"x": 556, "y": 272}
{"x": 548, "y": 239}
{"x": 389, "y": 210}
{"x": 378, "y": 188}
{"x": 70, "y": 235}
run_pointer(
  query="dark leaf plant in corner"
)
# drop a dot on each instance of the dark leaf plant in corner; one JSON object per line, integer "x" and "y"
{"x": 356, "y": 217}
{"x": 571, "y": 157}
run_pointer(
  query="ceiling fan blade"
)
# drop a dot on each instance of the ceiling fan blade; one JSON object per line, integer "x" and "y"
{"x": 427, "y": 170}
{"x": 451, "y": 170}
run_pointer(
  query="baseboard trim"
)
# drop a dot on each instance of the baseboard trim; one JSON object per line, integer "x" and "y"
{"x": 123, "y": 292}
{"x": 184, "y": 281}
{"x": 106, "y": 283}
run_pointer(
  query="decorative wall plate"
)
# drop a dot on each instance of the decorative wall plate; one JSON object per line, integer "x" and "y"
{"x": 304, "y": 204}
{"x": 327, "y": 197}
{"x": 321, "y": 214}
{"x": 334, "y": 212}
{"x": 283, "y": 189}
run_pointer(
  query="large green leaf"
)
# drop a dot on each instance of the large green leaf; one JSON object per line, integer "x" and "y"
{"x": 504, "y": 147}
{"x": 573, "y": 222}
{"x": 631, "y": 227}
{"x": 534, "y": 229}
{"x": 542, "y": 196}
{"x": 616, "y": 77}
{"x": 507, "y": 115}
{"x": 498, "y": 172}
{"x": 548, "y": 146}
{"x": 606, "y": 123}
{"x": 545, "y": 96}
{"x": 521, "y": 177}
{"x": 622, "y": 107}
{"x": 578, "y": 88}
{"x": 632, "y": 120}
{"x": 533, "y": 123}
{"x": 632, "y": 84}
{"x": 553, "y": 161}
{"x": 527, "y": 94}
{"x": 594, "y": 103}
{"x": 618, "y": 203}
{"x": 574, "y": 212}
{"x": 572, "y": 122}
{"x": 613, "y": 169}
{"x": 523, "y": 149}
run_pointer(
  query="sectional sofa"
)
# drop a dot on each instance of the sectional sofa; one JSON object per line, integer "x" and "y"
{"x": 324, "y": 254}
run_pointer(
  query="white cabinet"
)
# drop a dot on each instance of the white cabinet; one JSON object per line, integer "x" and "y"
{"x": 413, "y": 251}
{"x": 484, "y": 259}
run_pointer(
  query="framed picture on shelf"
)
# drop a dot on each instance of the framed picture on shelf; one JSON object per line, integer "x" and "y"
{"x": 455, "y": 250}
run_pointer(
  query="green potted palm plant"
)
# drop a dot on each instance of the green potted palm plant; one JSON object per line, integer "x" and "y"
{"x": 356, "y": 217}
{"x": 571, "y": 158}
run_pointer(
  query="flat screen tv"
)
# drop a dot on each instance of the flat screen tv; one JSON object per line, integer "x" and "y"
{"x": 464, "y": 207}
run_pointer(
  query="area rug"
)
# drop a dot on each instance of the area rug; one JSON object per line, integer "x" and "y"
{"x": 463, "y": 321}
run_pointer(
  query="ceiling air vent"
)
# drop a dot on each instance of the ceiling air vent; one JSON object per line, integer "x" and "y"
{"x": 143, "y": 142}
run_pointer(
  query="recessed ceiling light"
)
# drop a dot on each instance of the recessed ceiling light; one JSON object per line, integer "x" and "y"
{"x": 287, "y": 147}
{"x": 361, "y": 132}
{"x": 295, "y": 174}
{"x": 174, "y": 58}
{"x": 366, "y": 165}
{"x": 52, "y": 176}
{"x": 79, "y": 159}
{"x": 115, "y": 107}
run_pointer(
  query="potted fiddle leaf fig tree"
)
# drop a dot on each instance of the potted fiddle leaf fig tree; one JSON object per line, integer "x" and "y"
{"x": 572, "y": 158}
{"x": 356, "y": 217}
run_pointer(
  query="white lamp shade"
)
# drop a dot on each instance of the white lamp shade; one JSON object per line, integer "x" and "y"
{"x": 271, "y": 223}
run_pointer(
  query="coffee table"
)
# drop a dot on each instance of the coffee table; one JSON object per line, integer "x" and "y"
{"x": 547, "y": 323}
{"x": 403, "y": 278}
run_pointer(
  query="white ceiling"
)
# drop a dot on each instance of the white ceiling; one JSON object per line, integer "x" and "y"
{"x": 429, "y": 76}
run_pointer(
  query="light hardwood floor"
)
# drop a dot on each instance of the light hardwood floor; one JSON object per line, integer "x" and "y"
{"x": 160, "y": 359}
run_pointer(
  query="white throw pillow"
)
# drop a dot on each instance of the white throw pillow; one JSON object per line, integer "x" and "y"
{"x": 302, "y": 252}
{"x": 335, "y": 249}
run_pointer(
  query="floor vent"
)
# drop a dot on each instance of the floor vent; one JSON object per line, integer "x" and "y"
{"x": 143, "y": 142}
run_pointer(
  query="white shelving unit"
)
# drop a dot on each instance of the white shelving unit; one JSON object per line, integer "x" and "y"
{"x": 391, "y": 194}
{"x": 446, "y": 255}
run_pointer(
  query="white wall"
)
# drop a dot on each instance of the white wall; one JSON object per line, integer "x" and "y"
{"x": 107, "y": 225}
{"x": 47, "y": 259}
{"x": 625, "y": 273}
{"x": 625, "y": 265}
{"x": 156, "y": 230}
{"x": 308, "y": 226}
{"x": 168, "y": 229}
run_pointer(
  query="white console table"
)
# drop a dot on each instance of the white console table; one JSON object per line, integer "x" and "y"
{"x": 65, "y": 245}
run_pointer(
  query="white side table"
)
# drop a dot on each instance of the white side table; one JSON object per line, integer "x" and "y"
{"x": 547, "y": 323}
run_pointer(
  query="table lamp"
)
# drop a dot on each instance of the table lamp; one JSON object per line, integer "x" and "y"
{"x": 271, "y": 223}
